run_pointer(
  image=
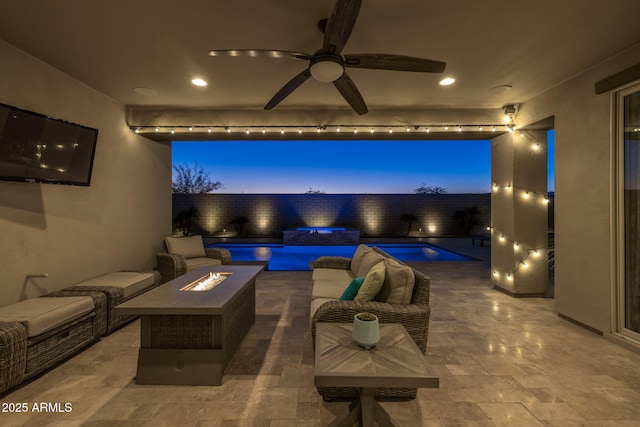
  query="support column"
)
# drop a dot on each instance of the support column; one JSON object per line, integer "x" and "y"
{"x": 519, "y": 213}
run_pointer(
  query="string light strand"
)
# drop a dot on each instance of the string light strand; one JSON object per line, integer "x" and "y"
{"x": 283, "y": 129}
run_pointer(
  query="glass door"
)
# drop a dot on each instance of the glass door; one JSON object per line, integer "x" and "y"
{"x": 629, "y": 140}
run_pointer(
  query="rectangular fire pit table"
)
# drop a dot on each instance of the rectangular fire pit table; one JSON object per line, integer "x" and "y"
{"x": 188, "y": 337}
{"x": 395, "y": 361}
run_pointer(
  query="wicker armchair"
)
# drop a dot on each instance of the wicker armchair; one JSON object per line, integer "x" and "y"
{"x": 414, "y": 317}
{"x": 184, "y": 254}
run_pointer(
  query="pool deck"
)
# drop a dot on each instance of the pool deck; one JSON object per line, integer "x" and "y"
{"x": 501, "y": 361}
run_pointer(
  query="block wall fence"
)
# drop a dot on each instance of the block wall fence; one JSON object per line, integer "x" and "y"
{"x": 376, "y": 215}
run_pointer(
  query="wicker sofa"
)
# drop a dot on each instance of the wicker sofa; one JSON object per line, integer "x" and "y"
{"x": 184, "y": 254}
{"x": 413, "y": 314}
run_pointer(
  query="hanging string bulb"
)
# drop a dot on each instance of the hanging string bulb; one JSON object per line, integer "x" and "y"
{"x": 523, "y": 253}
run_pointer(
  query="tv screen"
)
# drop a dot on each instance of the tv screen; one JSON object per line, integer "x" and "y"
{"x": 37, "y": 148}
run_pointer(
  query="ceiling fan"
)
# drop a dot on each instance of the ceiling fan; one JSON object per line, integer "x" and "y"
{"x": 328, "y": 65}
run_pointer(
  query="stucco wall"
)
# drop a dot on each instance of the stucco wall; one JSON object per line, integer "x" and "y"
{"x": 70, "y": 232}
{"x": 583, "y": 190}
{"x": 373, "y": 214}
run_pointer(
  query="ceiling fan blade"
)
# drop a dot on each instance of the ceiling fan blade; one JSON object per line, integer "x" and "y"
{"x": 260, "y": 53}
{"x": 340, "y": 25}
{"x": 288, "y": 88}
{"x": 350, "y": 92}
{"x": 383, "y": 61}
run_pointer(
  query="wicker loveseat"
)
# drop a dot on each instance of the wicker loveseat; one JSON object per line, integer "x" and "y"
{"x": 414, "y": 315}
{"x": 184, "y": 254}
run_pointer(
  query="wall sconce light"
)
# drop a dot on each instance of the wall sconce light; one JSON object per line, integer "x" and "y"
{"x": 509, "y": 110}
{"x": 509, "y": 114}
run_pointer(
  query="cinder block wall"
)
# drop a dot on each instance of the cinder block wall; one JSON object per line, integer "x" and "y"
{"x": 376, "y": 215}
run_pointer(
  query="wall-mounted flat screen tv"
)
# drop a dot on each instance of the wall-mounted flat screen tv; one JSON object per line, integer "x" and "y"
{"x": 37, "y": 148}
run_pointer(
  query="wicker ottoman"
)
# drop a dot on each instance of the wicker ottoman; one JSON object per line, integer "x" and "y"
{"x": 13, "y": 354}
{"x": 38, "y": 333}
{"x": 117, "y": 287}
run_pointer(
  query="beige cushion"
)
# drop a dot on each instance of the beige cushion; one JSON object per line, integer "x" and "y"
{"x": 398, "y": 283}
{"x": 372, "y": 283}
{"x": 369, "y": 259}
{"x": 188, "y": 247}
{"x": 42, "y": 314}
{"x": 328, "y": 288}
{"x": 332, "y": 274}
{"x": 356, "y": 259}
{"x": 194, "y": 263}
{"x": 130, "y": 282}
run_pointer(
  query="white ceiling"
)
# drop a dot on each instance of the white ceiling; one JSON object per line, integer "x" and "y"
{"x": 115, "y": 46}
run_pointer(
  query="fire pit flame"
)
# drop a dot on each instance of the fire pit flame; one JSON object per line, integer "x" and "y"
{"x": 206, "y": 283}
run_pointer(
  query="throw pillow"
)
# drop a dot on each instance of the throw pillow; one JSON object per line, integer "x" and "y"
{"x": 372, "y": 283}
{"x": 352, "y": 289}
{"x": 398, "y": 283}
{"x": 369, "y": 259}
{"x": 356, "y": 259}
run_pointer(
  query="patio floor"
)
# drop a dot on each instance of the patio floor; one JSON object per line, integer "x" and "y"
{"x": 501, "y": 361}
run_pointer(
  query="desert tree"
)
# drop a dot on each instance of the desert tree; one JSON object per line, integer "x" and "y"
{"x": 192, "y": 179}
{"x": 186, "y": 219}
{"x": 430, "y": 189}
{"x": 313, "y": 191}
{"x": 239, "y": 222}
{"x": 409, "y": 219}
{"x": 466, "y": 219}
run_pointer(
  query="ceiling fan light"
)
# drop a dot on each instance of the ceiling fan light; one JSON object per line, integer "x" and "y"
{"x": 447, "y": 81}
{"x": 326, "y": 71}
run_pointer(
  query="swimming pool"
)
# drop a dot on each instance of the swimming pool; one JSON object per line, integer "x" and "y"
{"x": 281, "y": 257}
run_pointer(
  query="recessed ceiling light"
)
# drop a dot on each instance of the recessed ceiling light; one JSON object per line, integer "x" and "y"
{"x": 497, "y": 90}
{"x": 199, "y": 82}
{"x": 447, "y": 81}
{"x": 146, "y": 91}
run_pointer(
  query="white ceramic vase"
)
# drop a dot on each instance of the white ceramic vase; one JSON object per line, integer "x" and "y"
{"x": 366, "y": 333}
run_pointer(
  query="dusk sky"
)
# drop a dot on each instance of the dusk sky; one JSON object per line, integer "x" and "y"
{"x": 333, "y": 167}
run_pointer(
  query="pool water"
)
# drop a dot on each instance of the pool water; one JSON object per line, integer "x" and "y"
{"x": 292, "y": 258}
